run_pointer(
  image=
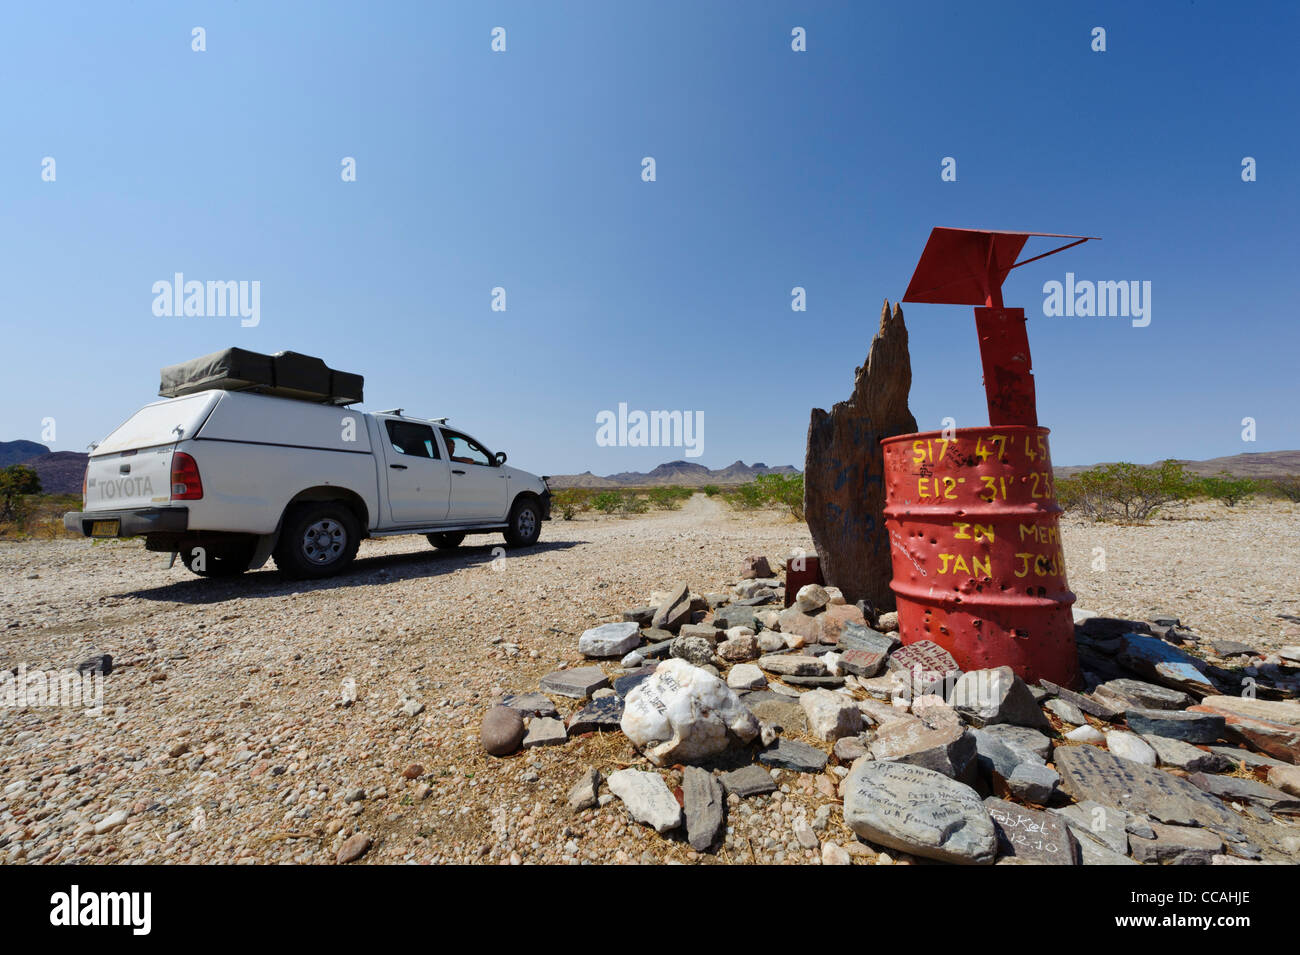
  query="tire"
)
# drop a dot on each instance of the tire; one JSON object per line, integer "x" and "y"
{"x": 524, "y": 525}
{"x": 316, "y": 540}
{"x": 226, "y": 560}
{"x": 445, "y": 541}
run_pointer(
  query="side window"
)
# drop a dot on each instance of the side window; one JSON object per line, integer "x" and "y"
{"x": 415, "y": 440}
{"x": 465, "y": 450}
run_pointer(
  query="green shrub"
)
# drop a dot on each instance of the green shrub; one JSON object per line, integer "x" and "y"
{"x": 779, "y": 490}
{"x": 1284, "y": 488}
{"x": 1125, "y": 492}
{"x": 669, "y": 497}
{"x": 17, "y": 484}
{"x": 785, "y": 490}
{"x": 570, "y": 501}
{"x": 619, "y": 502}
{"x": 607, "y": 502}
{"x": 711, "y": 490}
{"x": 746, "y": 497}
{"x": 1226, "y": 489}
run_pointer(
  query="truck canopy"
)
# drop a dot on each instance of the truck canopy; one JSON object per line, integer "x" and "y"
{"x": 163, "y": 422}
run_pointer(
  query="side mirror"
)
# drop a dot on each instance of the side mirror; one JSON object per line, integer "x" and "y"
{"x": 500, "y": 457}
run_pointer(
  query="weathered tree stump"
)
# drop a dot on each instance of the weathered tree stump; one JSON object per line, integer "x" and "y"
{"x": 844, "y": 486}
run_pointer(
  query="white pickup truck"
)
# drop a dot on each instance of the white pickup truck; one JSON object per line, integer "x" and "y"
{"x": 228, "y": 478}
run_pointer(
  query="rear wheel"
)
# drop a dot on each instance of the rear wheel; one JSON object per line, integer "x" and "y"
{"x": 445, "y": 541}
{"x": 213, "y": 560}
{"x": 317, "y": 540}
{"x": 524, "y": 525}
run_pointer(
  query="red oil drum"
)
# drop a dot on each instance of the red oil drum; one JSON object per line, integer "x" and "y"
{"x": 976, "y": 549}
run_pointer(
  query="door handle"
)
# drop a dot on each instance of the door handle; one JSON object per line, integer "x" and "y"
{"x": 454, "y": 471}
{"x": 398, "y": 467}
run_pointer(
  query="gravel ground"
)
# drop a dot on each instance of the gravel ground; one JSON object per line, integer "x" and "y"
{"x": 225, "y": 737}
{"x": 1224, "y": 572}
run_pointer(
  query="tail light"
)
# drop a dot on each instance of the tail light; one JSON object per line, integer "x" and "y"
{"x": 186, "y": 483}
{"x": 84, "y": 476}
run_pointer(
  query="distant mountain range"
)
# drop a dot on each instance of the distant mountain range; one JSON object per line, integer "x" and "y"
{"x": 60, "y": 471}
{"x": 17, "y": 452}
{"x": 674, "y": 472}
{"x": 1261, "y": 464}
{"x": 1257, "y": 464}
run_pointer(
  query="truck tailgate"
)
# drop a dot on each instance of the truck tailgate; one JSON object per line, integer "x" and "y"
{"x": 133, "y": 478}
{"x": 132, "y": 467}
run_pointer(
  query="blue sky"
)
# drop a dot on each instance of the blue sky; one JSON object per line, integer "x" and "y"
{"x": 775, "y": 169}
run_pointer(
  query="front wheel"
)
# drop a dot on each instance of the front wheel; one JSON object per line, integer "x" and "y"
{"x": 445, "y": 541}
{"x": 524, "y": 525}
{"x": 317, "y": 540}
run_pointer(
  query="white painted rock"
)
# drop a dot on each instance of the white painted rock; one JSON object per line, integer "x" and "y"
{"x": 1128, "y": 745}
{"x": 647, "y": 798}
{"x": 610, "y": 640}
{"x": 682, "y": 714}
{"x": 1085, "y": 734}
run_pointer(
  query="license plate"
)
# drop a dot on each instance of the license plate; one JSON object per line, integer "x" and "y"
{"x": 103, "y": 528}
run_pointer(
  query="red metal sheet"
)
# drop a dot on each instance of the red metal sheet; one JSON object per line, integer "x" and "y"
{"x": 1008, "y": 377}
{"x": 967, "y": 266}
{"x": 976, "y": 549}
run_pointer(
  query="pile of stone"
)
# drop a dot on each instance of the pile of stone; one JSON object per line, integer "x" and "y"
{"x": 1161, "y": 756}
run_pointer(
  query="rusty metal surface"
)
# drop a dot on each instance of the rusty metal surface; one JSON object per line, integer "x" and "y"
{"x": 968, "y": 266}
{"x": 796, "y": 577}
{"x": 974, "y": 538}
{"x": 1004, "y": 352}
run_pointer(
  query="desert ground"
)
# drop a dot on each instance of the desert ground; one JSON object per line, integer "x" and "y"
{"x": 225, "y": 736}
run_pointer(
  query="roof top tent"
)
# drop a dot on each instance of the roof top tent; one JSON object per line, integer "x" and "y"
{"x": 285, "y": 374}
